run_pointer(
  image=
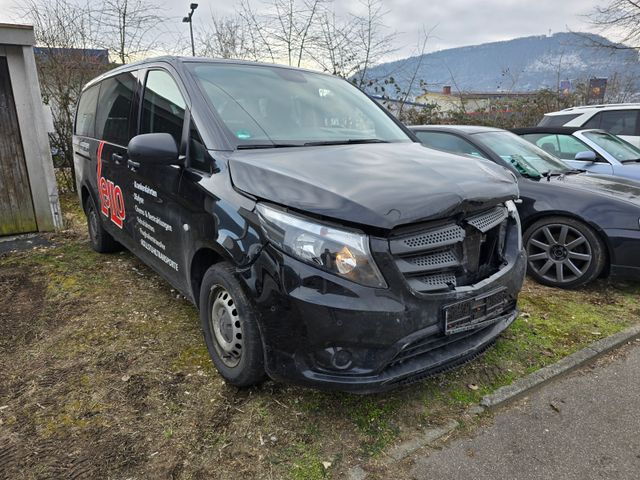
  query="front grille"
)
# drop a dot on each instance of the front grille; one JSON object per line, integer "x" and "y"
{"x": 458, "y": 253}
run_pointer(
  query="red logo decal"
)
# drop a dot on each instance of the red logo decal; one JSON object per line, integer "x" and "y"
{"x": 111, "y": 198}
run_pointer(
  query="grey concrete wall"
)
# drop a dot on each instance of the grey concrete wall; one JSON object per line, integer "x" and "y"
{"x": 32, "y": 121}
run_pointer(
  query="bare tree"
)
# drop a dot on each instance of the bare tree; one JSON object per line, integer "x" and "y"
{"x": 622, "y": 18}
{"x": 304, "y": 33}
{"x": 621, "y": 88}
{"x": 285, "y": 31}
{"x": 336, "y": 51}
{"x": 372, "y": 38}
{"x": 226, "y": 37}
{"x": 260, "y": 43}
{"x": 421, "y": 51}
{"x": 65, "y": 31}
{"x": 130, "y": 28}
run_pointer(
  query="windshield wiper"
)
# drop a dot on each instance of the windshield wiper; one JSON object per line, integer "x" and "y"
{"x": 548, "y": 174}
{"x": 267, "y": 145}
{"x": 351, "y": 141}
{"x": 631, "y": 160}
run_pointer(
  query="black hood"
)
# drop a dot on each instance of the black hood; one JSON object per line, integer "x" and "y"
{"x": 378, "y": 185}
{"x": 604, "y": 185}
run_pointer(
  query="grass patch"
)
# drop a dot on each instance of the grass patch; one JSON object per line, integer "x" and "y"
{"x": 306, "y": 464}
{"x": 101, "y": 352}
{"x": 374, "y": 420}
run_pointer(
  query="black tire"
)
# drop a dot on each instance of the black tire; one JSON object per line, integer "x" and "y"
{"x": 563, "y": 252}
{"x": 101, "y": 240}
{"x": 230, "y": 327}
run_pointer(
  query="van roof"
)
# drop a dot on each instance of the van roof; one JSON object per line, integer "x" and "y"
{"x": 177, "y": 60}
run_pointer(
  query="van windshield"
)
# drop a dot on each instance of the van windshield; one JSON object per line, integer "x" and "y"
{"x": 265, "y": 106}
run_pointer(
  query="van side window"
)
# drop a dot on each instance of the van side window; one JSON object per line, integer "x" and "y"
{"x": 163, "y": 106}
{"x": 114, "y": 108}
{"x": 86, "y": 116}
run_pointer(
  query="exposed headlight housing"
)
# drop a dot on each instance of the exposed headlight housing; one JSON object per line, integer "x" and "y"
{"x": 513, "y": 213}
{"x": 341, "y": 252}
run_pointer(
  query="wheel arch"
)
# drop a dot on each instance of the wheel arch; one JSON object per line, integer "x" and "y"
{"x": 84, "y": 195}
{"x": 202, "y": 260}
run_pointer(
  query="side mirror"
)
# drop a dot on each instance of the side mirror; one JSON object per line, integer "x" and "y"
{"x": 588, "y": 156}
{"x": 154, "y": 149}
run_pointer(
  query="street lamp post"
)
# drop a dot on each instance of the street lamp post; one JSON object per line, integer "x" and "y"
{"x": 188, "y": 19}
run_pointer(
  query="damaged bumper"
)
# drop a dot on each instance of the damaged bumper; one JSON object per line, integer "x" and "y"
{"x": 321, "y": 330}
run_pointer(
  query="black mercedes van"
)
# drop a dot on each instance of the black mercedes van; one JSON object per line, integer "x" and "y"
{"x": 322, "y": 244}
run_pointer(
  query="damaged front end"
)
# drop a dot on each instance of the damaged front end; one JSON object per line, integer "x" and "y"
{"x": 452, "y": 288}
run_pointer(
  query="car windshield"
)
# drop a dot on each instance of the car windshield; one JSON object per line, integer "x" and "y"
{"x": 528, "y": 159}
{"x": 264, "y": 106}
{"x": 621, "y": 150}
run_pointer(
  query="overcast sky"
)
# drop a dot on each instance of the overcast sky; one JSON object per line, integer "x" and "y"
{"x": 455, "y": 22}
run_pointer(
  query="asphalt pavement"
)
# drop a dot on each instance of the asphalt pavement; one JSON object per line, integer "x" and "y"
{"x": 584, "y": 426}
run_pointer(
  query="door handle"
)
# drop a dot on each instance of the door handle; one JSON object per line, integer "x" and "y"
{"x": 132, "y": 165}
{"x": 117, "y": 158}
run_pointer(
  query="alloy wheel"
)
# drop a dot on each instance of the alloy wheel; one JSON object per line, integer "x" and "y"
{"x": 559, "y": 253}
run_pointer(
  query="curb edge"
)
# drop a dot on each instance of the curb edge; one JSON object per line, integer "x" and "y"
{"x": 546, "y": 374}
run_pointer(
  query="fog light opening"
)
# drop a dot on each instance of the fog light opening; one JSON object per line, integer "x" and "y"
{"x": 342, "y": 359}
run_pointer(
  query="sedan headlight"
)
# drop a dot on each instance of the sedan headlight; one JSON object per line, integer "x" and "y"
{"x": 337, "y": 251}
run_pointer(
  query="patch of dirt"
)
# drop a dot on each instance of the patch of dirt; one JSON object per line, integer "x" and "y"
{"x": 21, "y": 309}
{"x": 96, "y": 453}
{"x": 9, "y": 457}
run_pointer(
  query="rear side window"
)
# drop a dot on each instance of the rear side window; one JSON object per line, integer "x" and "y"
{"x": 448, "y": 142}
{"x": 620, "y": 122}
{"x": 561, "y": 146}
{"x": 557, "y": 120}
{"x": 114, "y": 108}
{"x": 86, "y": 116}
{"x": 163, "y": 106}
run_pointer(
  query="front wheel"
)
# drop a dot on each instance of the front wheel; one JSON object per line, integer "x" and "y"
{"x": 230, "y": 328}
{"x": 563, "y": 252}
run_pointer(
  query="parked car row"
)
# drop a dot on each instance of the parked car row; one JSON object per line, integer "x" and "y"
{"x": 595, "y": 151}
{"x": 619, "y": 119}
{"x": 321, "y": 242}
{"x": 577, "y": 226}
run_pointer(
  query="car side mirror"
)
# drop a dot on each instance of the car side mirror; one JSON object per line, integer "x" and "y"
{"x": 154, "y": 149}
{"x": 587, "y": 156}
